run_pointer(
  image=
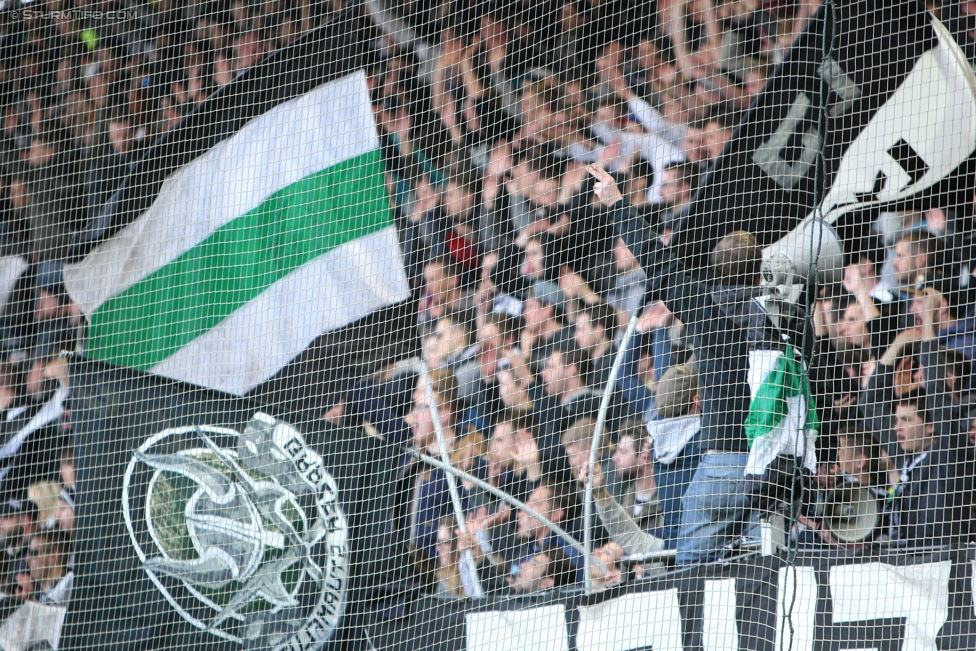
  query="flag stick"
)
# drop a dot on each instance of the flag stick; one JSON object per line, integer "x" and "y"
{"x": 509, "y": 499}
{"x": 601, "y": 419}
{"x": 466, "y": 558}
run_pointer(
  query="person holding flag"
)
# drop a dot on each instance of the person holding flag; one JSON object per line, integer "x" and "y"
{"x": 755, "y": 405}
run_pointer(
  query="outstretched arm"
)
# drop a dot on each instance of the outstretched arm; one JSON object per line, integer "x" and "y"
{"x": 622, "y": 528}
{"x": 933, "y": 360}
{"x": 631, "y": 227}
{"x": 666, "y": 278}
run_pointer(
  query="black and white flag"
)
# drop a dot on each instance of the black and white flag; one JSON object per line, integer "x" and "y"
{"x": 900, "y": 119}
{"x": 205, "y": 522}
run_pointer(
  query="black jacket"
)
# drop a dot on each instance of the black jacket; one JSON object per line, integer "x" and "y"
{"x": 876, "y": 403}
{"x": 933, "y": 506}
{"x": 722, "y": 324}
{"x": 949, "y": 416}
{"x": 876, "y": 408}
{"x": 553, "y": 416}
{"x": 31, "y": 444}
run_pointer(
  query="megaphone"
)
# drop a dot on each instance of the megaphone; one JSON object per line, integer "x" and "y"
{"x": 851, "y": 513}
{"x": 813, "y": 241}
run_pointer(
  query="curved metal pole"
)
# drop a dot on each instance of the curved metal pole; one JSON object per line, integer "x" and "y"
{"x": 601, "y": 419}
{"x": 514, "y": 501}
{"x": 466, "y": 558}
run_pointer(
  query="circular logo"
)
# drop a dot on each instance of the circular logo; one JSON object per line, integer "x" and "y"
{"x": 241, "y": 532}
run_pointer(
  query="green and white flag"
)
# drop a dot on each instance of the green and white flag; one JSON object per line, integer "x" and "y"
{"x": 782, "y": 418}
{"x": 277, "y": 233}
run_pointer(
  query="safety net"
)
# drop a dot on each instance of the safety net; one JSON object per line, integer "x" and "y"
{"x": 511, "y": 325}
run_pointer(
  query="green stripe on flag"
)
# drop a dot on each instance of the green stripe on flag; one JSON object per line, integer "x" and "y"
{"x": 769, "y": 407}
{"x": 166, "y": 310}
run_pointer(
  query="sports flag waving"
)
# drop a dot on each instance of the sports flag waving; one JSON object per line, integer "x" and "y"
{"x": 257, "y": 240}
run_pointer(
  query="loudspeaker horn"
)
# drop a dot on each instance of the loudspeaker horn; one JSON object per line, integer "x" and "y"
{"x": 852, "y": 513}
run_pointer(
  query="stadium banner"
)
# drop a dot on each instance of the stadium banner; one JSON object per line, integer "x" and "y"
{"x": 263, "y": 237}
{"x": 900, "y": 124}
{"x": 819, "y": 603}
{"x": 204, "y": 522}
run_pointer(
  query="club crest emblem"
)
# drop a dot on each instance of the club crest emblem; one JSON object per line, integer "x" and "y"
{"x": 242, "y": 532}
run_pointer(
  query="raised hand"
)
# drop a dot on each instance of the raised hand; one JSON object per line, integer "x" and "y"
{"x": 335, "y": 414}
{"x": 501, "y": 516}
{"x": 572, "y": 283}
{"x": 931, "y": 306}
{"x": 500, "y": 160}
{"x": 605, "y": 187}
{"x": 24, "y": 587}
{"x": 598, "y": 478}
{"x": 656, "y": 315}
{"x": 931, "y": 302}
{"x": 859, "y": 277}
{"x": 898, "y": 345}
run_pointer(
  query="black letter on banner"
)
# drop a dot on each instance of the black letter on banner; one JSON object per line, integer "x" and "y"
{"x": 876, "y": 634}
{"x": 909, "y": 160}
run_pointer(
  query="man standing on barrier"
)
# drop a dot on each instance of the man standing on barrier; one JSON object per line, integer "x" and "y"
{"x": 725, "y": 324}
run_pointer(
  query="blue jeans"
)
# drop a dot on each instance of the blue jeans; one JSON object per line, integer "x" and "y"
{"x": 672, "y": 480}
{"x": 715, "y": 508}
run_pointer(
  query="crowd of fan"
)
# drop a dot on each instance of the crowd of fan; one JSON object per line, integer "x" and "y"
{"x": 489, "y": 120}
{"x": 489, "y": 114}
{"x": 36, "y": 451}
